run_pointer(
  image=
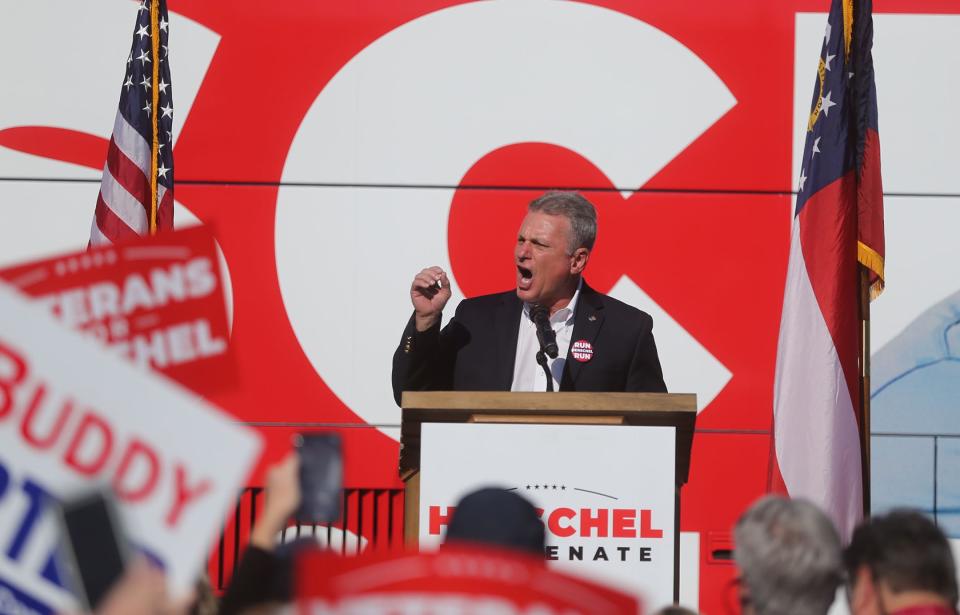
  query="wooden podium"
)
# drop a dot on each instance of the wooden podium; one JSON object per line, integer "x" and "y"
{"x": 635, "y": 409}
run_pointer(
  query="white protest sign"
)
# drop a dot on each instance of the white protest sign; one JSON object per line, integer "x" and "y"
{"x": 606, "y": 493}
{"x": 74, "y": 415}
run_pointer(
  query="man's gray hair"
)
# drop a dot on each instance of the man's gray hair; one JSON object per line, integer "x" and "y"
{"x": 578, "y": 210}
{"x": 789, "y": 557}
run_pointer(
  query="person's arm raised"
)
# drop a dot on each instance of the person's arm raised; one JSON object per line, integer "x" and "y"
{"x": 429, "y": 293}
{"x": 282, "y": 499}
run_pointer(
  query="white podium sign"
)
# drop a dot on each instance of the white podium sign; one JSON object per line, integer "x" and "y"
{"x": 606, "y": 493}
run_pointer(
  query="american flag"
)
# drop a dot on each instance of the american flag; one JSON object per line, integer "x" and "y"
{"x": 838, "y": 223}
{"x": 136, "y": 192}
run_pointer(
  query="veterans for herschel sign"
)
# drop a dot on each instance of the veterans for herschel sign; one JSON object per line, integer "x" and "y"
{"x": 605, "y": 494}
{"x": 74, "y": 415}
{"x": 158, "y": 302}
{"x": 457, "y": 579}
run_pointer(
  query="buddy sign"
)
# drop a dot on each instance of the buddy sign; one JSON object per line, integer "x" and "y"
{"x": 74, "y": 415}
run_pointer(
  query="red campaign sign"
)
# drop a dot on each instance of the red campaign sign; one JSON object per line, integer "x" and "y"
{"x": 158, "y": 302}
{"x": 455, "y": 579}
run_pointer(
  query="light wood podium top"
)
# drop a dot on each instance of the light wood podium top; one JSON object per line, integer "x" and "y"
{"x": 566, "y": 401}
{"x": 652, "y": 409}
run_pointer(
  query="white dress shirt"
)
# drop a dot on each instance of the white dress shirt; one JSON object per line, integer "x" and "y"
{"x": 527, "y": 373}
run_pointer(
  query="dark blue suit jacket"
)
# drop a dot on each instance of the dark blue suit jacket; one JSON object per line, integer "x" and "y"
{"x": 477, "y": 348}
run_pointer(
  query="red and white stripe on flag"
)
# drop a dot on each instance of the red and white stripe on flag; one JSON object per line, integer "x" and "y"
{"x": 123, "y": 205}
{"x": 816, "y": 389}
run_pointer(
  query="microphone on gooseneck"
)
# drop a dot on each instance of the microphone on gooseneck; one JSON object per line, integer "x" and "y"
{"x": 545, "y": 334}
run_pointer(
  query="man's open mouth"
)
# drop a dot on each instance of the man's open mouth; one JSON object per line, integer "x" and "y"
{"x": 526, "y": 277}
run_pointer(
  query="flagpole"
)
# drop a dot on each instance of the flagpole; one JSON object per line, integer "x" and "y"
{"x": 864, "y": 279}
{"x": 155, "y": 114}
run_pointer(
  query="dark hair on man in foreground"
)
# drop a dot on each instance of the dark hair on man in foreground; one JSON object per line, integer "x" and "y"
{"x": 901, "y": 553}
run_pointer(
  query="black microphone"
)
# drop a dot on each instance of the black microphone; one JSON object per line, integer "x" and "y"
{"x": 545, "y": 333}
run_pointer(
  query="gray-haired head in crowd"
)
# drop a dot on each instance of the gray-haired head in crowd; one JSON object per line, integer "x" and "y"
{"x": 789, "y": 557}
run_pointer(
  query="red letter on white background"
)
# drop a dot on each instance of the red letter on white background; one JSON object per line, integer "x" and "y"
{"x": 136, "y": 450}
{"x": 13, "y": 370}
{"x": 183, "y": 494}
{"x": 89, "y": 426}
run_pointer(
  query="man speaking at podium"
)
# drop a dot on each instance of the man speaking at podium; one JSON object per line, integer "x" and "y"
{"x": 552, "y": 322}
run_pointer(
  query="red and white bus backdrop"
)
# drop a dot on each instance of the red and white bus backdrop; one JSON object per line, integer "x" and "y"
{"x": 336, "y": 148}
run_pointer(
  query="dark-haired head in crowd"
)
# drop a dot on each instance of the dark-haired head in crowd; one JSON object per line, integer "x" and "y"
{"x": 901, "y": 563}
{"x": 676, "y": 609}
{"x": 498, "y": 518}
{"x": 788, "y": 553}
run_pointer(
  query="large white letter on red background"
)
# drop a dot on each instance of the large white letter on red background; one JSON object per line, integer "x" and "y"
{"x": 417, "y": 108}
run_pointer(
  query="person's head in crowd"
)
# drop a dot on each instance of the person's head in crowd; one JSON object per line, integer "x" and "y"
{"x": 553, "y": 246}
{"x": 676, "y": 609}
{"x": 789, "y": 557}
{"x": 900, "y": 561}
{"x": 499, "y": 518}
